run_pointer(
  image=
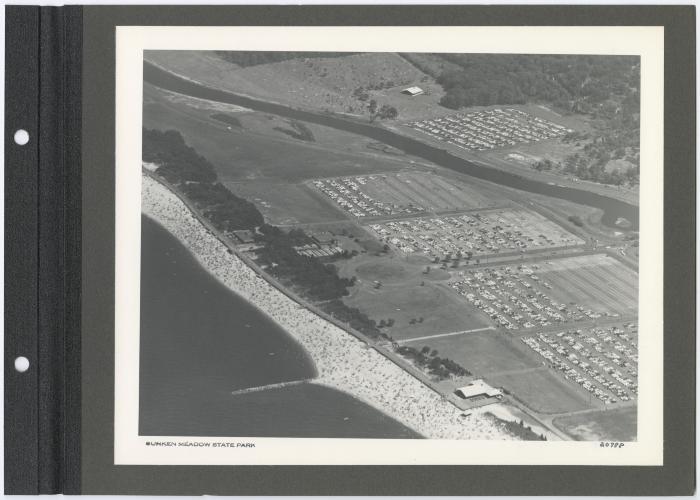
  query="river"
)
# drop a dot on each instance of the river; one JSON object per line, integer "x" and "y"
{"x": 611, "y": 207}
{"x": 200, "y": 342}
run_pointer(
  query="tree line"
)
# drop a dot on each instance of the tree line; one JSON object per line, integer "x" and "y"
{"x": 247, "y": 58}
{"x": 196, "y": 177}
{"x": 574, "y": 82}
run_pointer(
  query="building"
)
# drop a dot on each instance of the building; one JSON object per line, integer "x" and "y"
{"x": 413, "y": 91}
{"x": 323, "y": 237}
{"x": 244, "y": 236}
{"x": 477, "y": 389}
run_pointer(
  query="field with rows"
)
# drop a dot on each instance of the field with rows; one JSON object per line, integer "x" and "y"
{"x": 403, "y": 193}
{"x": 602, "y": 360}
{"x": 595, "y": 281}
{"x": 550, "y": 292}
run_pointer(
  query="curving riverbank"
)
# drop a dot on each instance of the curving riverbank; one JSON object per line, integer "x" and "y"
{"x": 342, "y": 361}
{"x": 613, "y": 208}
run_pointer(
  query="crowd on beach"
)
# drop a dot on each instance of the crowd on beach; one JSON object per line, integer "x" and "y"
{"x": 343, "y": 362}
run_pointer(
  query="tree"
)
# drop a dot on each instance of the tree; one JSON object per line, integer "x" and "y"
{"x": 387, "y": 112}
{"x": 390, "y": 322}
{"x": 372, "y": 108}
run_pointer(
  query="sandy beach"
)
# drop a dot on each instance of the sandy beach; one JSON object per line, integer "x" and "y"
{"x": 342, "y": 361}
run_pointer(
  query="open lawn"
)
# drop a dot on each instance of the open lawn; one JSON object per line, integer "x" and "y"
{"x": 440, "y": 311}
{"x": 610, "y": 425}
{"x": 284, "y": 204}
{"x": 482, "y": 353}
{"x": 391, "y": 272}
{"x": 340, "y": 84}
{"x": 263, "y": 152}
{"x": 543, "y": 391}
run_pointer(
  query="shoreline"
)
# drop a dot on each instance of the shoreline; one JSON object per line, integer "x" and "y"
{"x": 342, "y": 361}
{"x": 262, "y": 311}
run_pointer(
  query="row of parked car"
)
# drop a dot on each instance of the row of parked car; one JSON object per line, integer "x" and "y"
{"x": 602, "y": 360}
{"x": 488, "y": 129}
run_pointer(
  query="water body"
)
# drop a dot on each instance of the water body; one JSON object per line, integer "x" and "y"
{"x": 200, "y": 341}
{"x": 612, "y": 208}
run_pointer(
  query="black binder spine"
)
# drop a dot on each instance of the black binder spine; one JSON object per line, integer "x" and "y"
{"x": 42, "y": 252}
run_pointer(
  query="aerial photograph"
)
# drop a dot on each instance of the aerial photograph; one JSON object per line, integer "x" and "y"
{"x": 389, "y": 245}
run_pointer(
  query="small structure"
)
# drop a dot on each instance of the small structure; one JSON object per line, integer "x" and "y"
{"x": 323, "y": 237}
{"x": 477, "y": 389}
{"x": 244, "y": 236}
{"x": 413, "y": 91}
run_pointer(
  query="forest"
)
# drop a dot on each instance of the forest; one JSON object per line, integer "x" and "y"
{"x": 576, "y": 83}
{"x": 177, "y": 162}
{"x": 606, "y": 88}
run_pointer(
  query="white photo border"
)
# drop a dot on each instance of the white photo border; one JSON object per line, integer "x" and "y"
{"x": 131, "y": 41}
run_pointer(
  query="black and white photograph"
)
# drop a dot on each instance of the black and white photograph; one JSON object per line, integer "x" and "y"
{"x": 350, "y": 249}
{"x": 389, "y": 246}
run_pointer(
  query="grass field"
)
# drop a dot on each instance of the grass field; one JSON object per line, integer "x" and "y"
{"x": 543, "y": 391}
{"x": 402, "y": 298}
{"x": 316, "y": 83}
{"x": 260, "y": 152}
{"x": 610, "y": 425}
{"x": 483, "y": 353}
{"x": 285, "y": 204}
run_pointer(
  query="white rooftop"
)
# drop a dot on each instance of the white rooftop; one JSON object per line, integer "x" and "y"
{"x": 478, "y": 388}
{"x": 413, "y": 90}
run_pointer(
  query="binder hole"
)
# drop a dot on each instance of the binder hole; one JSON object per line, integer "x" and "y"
{"x": 21, "y": 137}
{"x": 21, "y": 364}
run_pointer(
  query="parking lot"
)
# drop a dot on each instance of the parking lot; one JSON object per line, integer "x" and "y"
{"x": 602, "y": 360}
{"x": 489, "y": 129}
{"x": 398, "y": 194}
{"x": 483, "y": 233}
{"x": 522, "y": 296}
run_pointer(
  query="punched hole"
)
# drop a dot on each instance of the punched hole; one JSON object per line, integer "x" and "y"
{"x": 21, "y": 137}
{"x": 21, "y": 364}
